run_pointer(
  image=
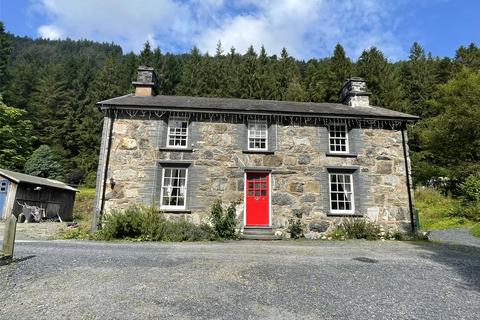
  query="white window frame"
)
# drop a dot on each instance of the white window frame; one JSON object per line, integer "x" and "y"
{"x": 170, "y": 125}
{"x": 170, "y": 207}
{"x": 352, "y": 197}
{"x": 253, "y": 122}
{"x": 347, "y": 149}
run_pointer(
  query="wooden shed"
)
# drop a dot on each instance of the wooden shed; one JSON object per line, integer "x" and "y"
{"x": 16, "y": 189}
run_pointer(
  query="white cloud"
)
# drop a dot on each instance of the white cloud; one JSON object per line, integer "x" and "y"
{"x": 49, "y": 32}
{"x": 307, "y": 28}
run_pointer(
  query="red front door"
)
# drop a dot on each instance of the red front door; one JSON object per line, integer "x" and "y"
{"x": 257, "y": 199}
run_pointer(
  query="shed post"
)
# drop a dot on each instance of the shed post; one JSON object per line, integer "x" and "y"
{"x": 9, "y": 237}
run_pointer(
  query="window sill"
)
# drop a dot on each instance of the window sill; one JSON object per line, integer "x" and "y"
{"x": 175, "y": 211}
{"x": 341, "y": 155}
{"x": 336, "y": 214}
{"x": 175, "y": 149}
{"x": 259, "y": 151}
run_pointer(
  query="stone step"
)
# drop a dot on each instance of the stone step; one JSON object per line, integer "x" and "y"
{"x": 267, "y": 237}
{"x": 258, "y": 230}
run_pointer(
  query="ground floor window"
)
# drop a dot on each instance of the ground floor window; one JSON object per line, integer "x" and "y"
{"x": 341, "y": 193}
{"x": 174, "y": 188}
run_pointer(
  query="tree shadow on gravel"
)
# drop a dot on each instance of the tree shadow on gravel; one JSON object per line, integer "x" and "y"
{"x": 5, "y": 261}
{"x": 465, "y": 260}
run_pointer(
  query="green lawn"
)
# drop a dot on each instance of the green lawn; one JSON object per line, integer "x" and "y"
{"x": 437, "y": 212}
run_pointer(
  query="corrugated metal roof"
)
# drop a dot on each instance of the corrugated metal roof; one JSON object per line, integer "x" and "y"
{"x": 25, "y": 178}
{"x": 183, "y": 103}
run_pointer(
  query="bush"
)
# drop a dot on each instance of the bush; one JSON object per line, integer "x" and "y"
{"x": 470, "y": 189}
{"x": 44, "y": 163}
{"x": 90, "y": 180}
{"x": 338, "y": 234}
{"x": 295, "y": 228}
{"x": 224, "y": 223}
{"x": 147, "y": 224}
{"x": 476, "y": 230}
{"x": 360, "y": 228}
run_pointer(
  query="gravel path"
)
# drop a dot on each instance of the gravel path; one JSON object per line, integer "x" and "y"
{"x": 30, "y": 231}
{"x": 455, "y": 236}
{"x": 241, "y": 280}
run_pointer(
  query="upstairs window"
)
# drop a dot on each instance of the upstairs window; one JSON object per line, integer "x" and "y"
{"x": 174, "y": 188}
{"x": 338, "y": 138}
{"x": 257, "y": 135}
{"x": 177, "y": 132}
{"x": 341, "y": 193}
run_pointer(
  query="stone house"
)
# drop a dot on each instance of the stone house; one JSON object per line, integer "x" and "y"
{"x": 318, "y": 162}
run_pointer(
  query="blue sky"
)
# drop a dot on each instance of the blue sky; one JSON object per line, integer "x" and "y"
{"x": 307, "y": 28}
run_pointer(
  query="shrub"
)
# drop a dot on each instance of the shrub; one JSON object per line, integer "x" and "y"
{"x": 476, "y": 230}
{"x": 44, "y": 163}
{"x": 359, "y": 228}
{"x": 147, "y": 224}
{"x": 295, "y": 228}
{"x": 338, "y": 234}
{"x": 224, "y": 223}
{"x": 125, "y": 224}
{"x": 470, "y": 189}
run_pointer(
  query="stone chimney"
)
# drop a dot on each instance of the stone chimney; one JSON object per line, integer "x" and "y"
{"x": 146, "y": 84}
{"x": 354, "y": 93}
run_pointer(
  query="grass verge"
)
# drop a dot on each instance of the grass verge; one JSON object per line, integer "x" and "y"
{"x": 82, "y": 215}
{"x": 476, "y": 230}
{"x": 438, "y": 212}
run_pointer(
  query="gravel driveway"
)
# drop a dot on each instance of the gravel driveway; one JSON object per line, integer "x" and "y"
{"x": 241, "y": 280}
{"x": 455, "y": 236}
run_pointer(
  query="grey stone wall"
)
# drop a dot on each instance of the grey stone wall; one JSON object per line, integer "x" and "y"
{"x": 299, "y": 164}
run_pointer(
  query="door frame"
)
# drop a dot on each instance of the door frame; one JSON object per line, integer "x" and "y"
{"x": 269, "y": 173}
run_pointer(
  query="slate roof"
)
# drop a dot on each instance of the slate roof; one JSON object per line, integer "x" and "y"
{"x": 25, "y": 178}
{"x": 202, "y": 104}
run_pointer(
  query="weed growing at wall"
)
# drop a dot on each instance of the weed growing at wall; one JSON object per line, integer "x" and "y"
{"x": 224, "y": 221}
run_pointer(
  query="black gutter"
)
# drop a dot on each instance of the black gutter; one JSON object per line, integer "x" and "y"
{"x": 407, "y": 173}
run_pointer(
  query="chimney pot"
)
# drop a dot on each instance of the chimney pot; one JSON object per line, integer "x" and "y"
{"x": 147, "y": 83}
{"x": 354, "y": 93}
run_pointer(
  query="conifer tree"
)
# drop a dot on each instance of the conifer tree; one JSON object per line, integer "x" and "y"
{"x": 5, "y": 49}
{"x": 339, "y": 69}
{"x": 287, "y": 74}
{"x": 50, "y": 106}
{"x": 192, "y": 81}
{"x": 468, "y": 56}
{"x": 418, "y": 80}
{"x": 146, "y": 55}
{"x": 314, "y": 81}
{"x": 233, "y": 74}
{"x": 249, "y": 77}
{"x": 382, "y": 80}
{"x": 266, "y": 76}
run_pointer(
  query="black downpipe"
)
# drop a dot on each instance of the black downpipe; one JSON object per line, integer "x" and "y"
{"x": 105, "y": 170}
{"x": 407, "y": 172}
